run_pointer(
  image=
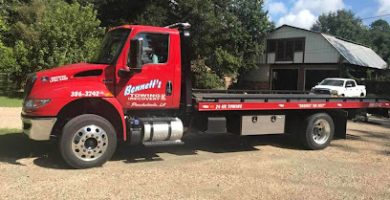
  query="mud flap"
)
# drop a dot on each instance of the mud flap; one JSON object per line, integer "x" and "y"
{"x": 340, "y": 122}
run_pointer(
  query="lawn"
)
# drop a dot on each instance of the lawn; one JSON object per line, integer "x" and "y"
{"x": 10, "y": 102}
{"x": 5, "y": 131}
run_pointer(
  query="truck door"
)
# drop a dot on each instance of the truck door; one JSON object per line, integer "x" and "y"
{"x": 350, "y": 86}
{"x": 151, "y": 86}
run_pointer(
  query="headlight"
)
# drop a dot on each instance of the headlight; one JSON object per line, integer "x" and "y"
{"x": 334, "y": 92}
{"x": 33, "y": 104}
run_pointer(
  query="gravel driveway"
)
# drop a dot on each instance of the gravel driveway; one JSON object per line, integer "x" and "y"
{"x": 10, "y": 118}
{"x": 207, "y": 167}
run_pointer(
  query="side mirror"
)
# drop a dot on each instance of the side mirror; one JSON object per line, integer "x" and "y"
{"x": 136, "y": 49}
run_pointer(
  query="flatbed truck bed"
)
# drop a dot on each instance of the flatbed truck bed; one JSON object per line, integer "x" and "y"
{"x": 272, "y": 100}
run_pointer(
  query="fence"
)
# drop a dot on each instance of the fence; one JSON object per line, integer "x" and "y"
{"x": 7, "y": 86}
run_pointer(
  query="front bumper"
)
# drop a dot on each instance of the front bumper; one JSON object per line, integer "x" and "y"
{"x": 38, "y": 128}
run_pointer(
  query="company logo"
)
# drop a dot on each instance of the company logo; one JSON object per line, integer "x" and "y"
{"x": 58, "y": 78}
{"x": 134, "y": 104}
{"x": 146, "y": 97}
{"x": 130, "y": 89}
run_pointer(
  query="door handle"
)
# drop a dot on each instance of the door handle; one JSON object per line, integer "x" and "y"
{"x": 168, "y": 89}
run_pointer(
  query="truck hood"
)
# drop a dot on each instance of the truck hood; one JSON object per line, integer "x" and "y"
{"x": 327, "y": 87}
{"x": 68, "y": 72}
{"x": 72, "y": 69}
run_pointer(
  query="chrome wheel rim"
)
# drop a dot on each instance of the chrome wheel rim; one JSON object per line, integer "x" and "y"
{"x": 321, "y": 131}
{"x": 89, "y": 143}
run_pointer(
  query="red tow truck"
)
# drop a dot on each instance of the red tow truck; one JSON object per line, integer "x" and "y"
{"x": 138, "y": 91}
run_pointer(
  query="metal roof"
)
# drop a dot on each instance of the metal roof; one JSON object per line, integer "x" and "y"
{"x": 356, "y": 54}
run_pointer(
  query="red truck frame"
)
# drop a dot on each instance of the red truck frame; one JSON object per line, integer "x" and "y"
{"x": 138, "y": 90}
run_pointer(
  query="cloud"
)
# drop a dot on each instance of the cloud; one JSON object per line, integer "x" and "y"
{"x": 303, "y": 19}
{"x": 304, "y": 13}
{"x": 318, "y": 6}
{"x": 276, "y": 8}
{"x": 384, "y": 7}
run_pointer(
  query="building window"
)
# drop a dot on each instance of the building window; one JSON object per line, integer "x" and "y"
{"x": 298, "y": 45}
{"x": 285, "y": 48}
{"x": 271, "y": 46}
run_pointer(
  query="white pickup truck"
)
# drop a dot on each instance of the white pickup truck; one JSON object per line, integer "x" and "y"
{"x": 339, "y": 87}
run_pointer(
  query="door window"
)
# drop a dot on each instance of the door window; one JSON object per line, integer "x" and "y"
{"x": 350, "y": 84}
{"x": 155, "y": 48}
{"x": 112, "y": 46}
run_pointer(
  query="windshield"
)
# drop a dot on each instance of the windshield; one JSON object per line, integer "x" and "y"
{"x": 332, "y": 82}
{"x": 111, "y": 46}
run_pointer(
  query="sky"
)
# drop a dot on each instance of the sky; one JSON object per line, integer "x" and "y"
{"x": 304, "y": 13}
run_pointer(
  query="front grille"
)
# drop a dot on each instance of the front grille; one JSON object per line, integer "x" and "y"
{"x": 321, "y": 91}
{"x": 31, "y": 78}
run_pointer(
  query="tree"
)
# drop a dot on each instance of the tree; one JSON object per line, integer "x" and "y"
{"x": 380, "y": 37}
{"x": 118, "y": 12}
{"x": 7, "y": 60}
{"x": 227, "y": 34}
{"x": 343, "y": 24}
{"x": 52, "y": 33}
{"x": 203, "y": 77}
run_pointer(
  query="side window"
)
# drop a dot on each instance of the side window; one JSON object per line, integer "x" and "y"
{"x": 350, "y": 84}
{"x": 155, "y": 48}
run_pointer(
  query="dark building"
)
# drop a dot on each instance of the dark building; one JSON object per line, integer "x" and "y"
{"x": 297, "y": 59}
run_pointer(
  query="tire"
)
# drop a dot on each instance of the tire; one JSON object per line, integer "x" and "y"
{"x": 87, "y": 141}
{"x": 318, "y": 131}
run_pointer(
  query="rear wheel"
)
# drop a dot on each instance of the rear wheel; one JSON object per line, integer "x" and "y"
{"x": 87, "y": 141}
{"x": 318, "y": 132}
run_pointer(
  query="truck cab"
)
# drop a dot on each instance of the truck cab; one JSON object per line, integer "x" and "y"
{"x": 154, "y": 81}
{"x": 138, "y": 69}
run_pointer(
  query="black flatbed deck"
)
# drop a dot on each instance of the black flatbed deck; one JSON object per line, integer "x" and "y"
{"x": 267, "y": 96}
{"x": 213, "y": 100}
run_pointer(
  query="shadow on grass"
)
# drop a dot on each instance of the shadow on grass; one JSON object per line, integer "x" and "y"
{"x": 16, "y": 146}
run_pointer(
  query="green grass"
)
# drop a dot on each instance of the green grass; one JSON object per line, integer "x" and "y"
{"x": 10, "y": 102}
{"x": 6, "y": 131}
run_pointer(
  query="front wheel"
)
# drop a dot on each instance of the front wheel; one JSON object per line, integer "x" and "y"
{"x": 318, "y": 132}
{"x": 87, "y": 141}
